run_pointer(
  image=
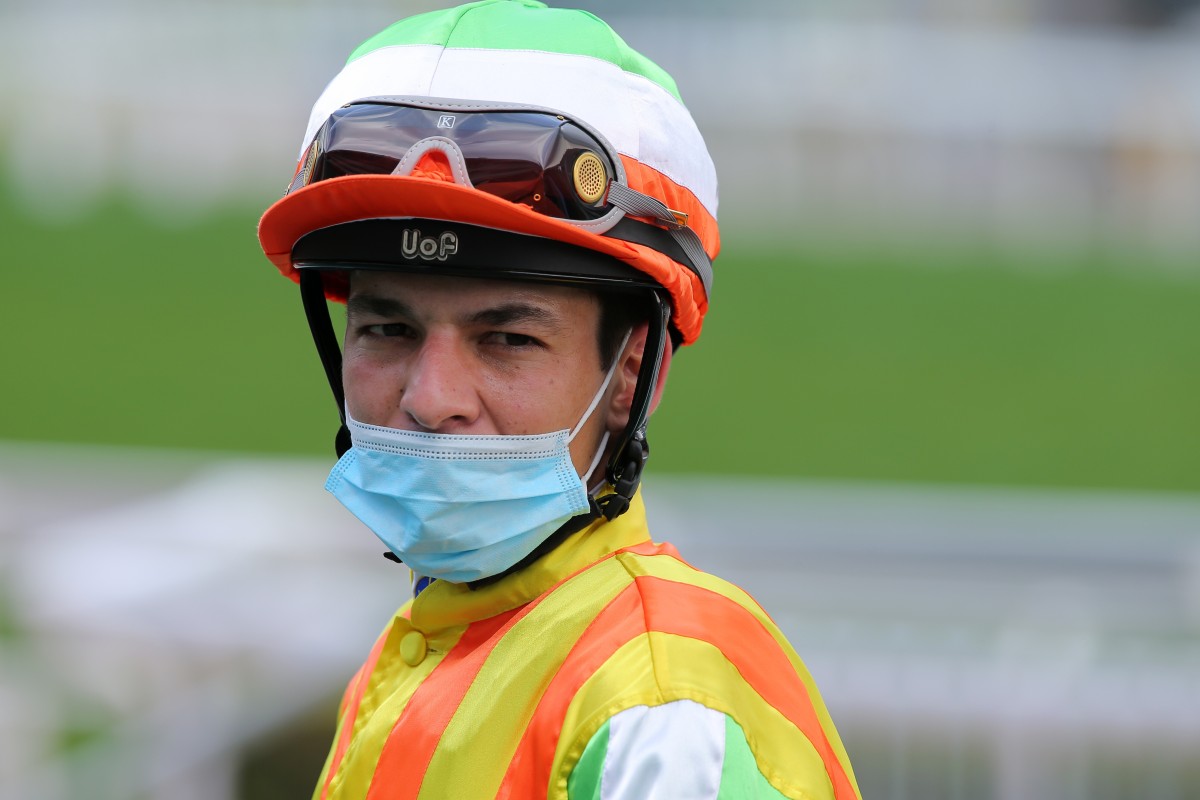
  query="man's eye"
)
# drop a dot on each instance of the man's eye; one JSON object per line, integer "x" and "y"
{"x": 508, "y": 339}
{"x": 389, "y": 329}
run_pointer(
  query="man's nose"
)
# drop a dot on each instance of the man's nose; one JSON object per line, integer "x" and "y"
{"x": 438, "y": 394}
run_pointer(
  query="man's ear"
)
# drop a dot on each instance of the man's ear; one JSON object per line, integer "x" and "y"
{"x": 625, "y": 377}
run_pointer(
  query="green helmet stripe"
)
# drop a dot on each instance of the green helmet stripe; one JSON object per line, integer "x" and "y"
{"x": 519, "y": 25}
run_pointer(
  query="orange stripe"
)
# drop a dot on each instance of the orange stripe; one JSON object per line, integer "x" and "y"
{"x": 528, "y": 774}
{"x": 419, "y": 730}
{"x": 655, "y": 549}
{"x": 620, "y": 621}
{"x": 686, "y": 610}
{"x": 349, "y": 712}
{"x": 656, "y": 604}
{"x": 416, "y": 734}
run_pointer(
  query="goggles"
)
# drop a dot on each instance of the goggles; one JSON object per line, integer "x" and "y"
{"x": 536, "y": 158}
{"x": 557, "y": 166}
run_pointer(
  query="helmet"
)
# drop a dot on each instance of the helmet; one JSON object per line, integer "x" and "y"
{"x": 505, "y": 139}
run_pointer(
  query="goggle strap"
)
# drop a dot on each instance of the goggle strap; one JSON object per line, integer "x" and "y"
{"x": 636, "y": 204}
{"x": 691, "y": 244}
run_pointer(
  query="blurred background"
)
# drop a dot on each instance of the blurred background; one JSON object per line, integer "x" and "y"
{"x": 942, "y": 423}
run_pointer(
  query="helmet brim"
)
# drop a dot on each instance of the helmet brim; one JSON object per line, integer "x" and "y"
{"x": 352, "y": 198}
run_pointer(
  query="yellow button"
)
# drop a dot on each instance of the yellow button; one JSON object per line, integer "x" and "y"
{"x": 413, "y": 648}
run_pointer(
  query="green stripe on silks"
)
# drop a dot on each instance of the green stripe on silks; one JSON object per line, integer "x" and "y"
{"x": 584, "y": 783}
{"x": 519, "y": 25}
{"x": 740, "y": 777}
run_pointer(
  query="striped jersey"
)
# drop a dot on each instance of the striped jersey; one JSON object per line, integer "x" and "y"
{"x": 609, "y": 668}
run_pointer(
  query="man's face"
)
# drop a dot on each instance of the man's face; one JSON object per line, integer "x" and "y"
{"x": 472, "y": 356}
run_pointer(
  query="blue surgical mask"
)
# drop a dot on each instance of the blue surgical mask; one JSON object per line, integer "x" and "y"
{"x": 462, "y": 508}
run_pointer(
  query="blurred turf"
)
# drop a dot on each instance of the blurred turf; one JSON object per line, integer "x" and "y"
{"x": 922, "y": 363}
{"x": 946, "y": 365}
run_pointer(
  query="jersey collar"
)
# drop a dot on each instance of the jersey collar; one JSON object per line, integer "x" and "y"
{"x": 444, "y": 605}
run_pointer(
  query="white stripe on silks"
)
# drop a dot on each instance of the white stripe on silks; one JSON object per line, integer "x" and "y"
{"x": 598, "y": 92}
{"x": 674, "y": 750}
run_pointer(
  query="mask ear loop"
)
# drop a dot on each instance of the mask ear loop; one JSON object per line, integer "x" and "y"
{"x": 612, "y": 370}
{"x": 586, "y": 476}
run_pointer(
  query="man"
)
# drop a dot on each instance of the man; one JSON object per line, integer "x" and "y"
{"x": 520, "y": 214}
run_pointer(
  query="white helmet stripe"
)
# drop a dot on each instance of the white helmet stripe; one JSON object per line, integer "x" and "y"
{"x": 614, "y": 102}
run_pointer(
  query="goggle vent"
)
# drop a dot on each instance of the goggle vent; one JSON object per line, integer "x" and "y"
{"x": 591, "y": 178}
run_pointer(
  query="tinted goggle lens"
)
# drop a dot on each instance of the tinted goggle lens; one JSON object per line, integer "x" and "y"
{"x": 538, "y": 159}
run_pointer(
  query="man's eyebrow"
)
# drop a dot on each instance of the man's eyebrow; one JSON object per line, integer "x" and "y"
{"x": 375, "y": 305}
{"x": 510, "y": 313}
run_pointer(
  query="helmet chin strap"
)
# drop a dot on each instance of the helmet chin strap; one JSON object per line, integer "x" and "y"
{"x": 624, "y": 469}
{"x": 312, "y": 294}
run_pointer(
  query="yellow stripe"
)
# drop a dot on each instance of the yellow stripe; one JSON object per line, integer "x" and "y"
{"x": 389, "y": 688}
{"x": 671, "y": 569}
{"x": 329, "y": 759}
{"x": 489, "y": 723}
{"x": 689, "y": 669}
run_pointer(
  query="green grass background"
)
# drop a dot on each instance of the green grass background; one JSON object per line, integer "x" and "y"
{"x": 924, "y": 361}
